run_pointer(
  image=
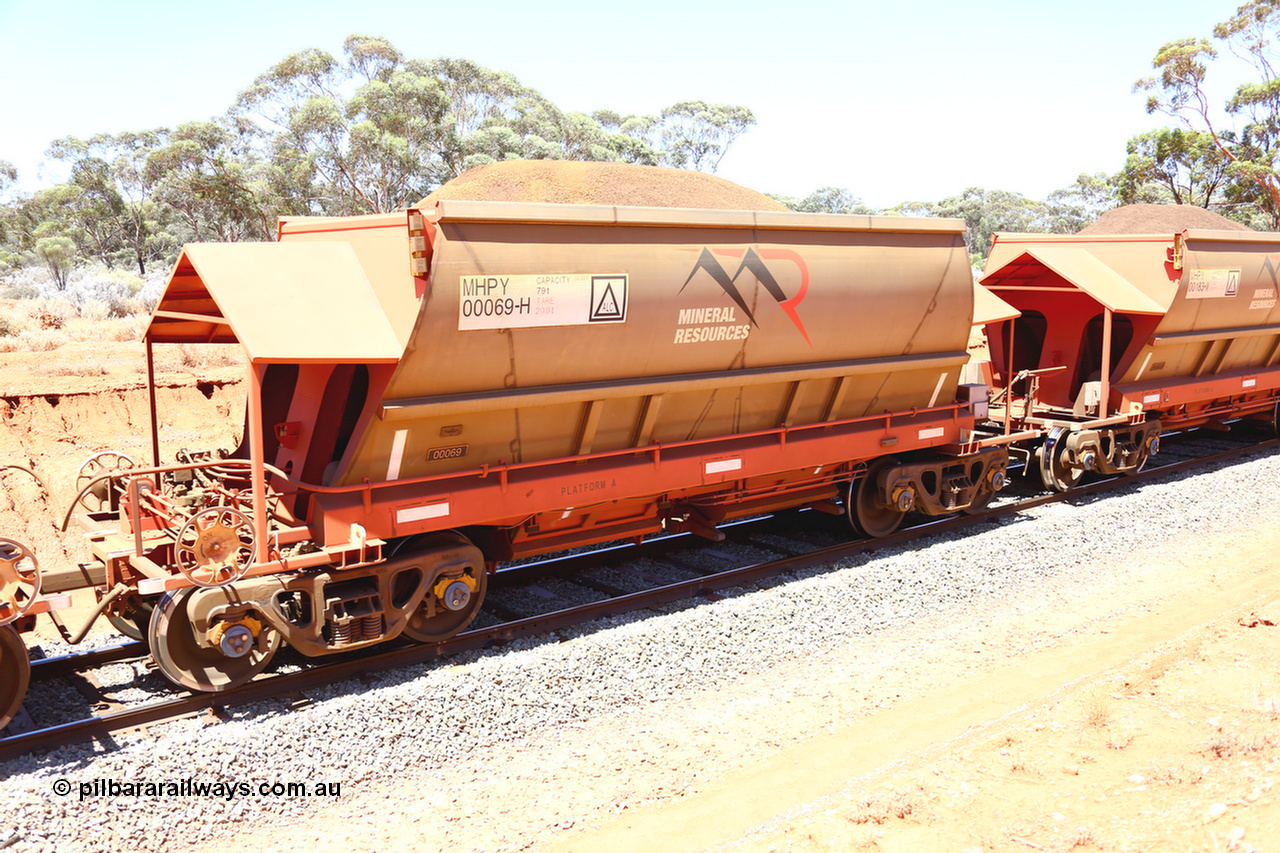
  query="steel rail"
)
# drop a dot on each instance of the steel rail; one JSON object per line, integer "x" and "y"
{"x": 78, "y": 661}
{"x": 279, "y": 685}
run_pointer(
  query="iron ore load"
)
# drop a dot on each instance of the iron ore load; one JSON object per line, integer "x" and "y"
{"x": 438, "y": 390}
{"x": 1121, "y": 335}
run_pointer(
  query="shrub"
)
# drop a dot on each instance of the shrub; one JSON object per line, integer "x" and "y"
{"x": 29, "y": 282}
{"x": 113, "y": 288}
{"x": 21, "y": 291}
{"x": 40, "y": 340}
{"x": 129, "y": 328}
{"x": 10, "y": 326}
{"x": 120, "y": 292}
{"x": 94, "y": 309}
{"x": 50, "y": 313}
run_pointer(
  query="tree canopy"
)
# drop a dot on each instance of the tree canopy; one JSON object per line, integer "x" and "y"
{"x": 371, "y": 130}
{"x": 1245, "y": 131}
{"x": 368, "y": 131}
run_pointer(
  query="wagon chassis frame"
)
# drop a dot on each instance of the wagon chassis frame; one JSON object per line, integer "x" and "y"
{"x": 867, "y": 436}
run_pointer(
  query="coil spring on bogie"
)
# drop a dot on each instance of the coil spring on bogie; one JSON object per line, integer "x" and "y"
{"x": 341, "y": 633}
{"x": 956, "y": 486}
{"x": 354, "y": 629}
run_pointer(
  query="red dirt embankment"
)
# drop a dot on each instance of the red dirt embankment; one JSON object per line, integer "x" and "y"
{"x": 53, "y": 432}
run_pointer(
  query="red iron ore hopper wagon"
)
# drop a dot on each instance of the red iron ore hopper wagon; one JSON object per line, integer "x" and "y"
{"x": 432, "y": 392}
{"x": 1120, "y": 336}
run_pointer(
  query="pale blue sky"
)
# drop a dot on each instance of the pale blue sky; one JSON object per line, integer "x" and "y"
{"x": 893, "y": 101}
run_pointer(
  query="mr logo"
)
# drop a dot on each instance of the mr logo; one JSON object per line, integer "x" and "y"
{"x": 1269, "y": 266}
{"x": 753, "y": 261}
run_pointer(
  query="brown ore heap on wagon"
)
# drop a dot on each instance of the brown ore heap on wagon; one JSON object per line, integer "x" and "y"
{"x": 614, "y": 184}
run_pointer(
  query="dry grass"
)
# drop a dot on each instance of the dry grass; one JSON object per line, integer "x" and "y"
{"x": 1083, "y": 836}
{"x": 207, "y": 355}
{"x": 112, "y": 329}
{"x": 1225, "y": 744}
{"x": 1161, "y": 774}
{"x": 87, "y": 368}
{"x": 889, "y": 805}
{"x": 10, "y": 324}
{"x": 1119, "y": 739}
{"x": 33, "y": 340}
{"x": 1097, "y": 712}
{"x": 1263, "y": 699}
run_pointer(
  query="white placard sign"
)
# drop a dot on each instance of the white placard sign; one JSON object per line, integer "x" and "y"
{"x": 1213, "y": 284}
{"x": 523, "y": 301}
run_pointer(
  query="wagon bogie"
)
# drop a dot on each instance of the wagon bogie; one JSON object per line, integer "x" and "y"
{"x": 434, "y": 587}
{"x": 24, "y": 594}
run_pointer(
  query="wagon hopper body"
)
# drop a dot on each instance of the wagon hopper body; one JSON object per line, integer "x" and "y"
{"x": 1121, "y": 336}
{"x": 433, "y": 392}
{"x": 571, "y": 332}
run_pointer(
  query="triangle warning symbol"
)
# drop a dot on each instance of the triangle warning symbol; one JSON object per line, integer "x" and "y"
{"x": 607, "y": 308}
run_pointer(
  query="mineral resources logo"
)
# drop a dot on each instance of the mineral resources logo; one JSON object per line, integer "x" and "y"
{"x": 697, "y": 325}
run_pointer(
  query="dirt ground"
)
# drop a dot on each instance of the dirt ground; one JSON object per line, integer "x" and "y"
{"x": 1140, "y": 716}
{"x": 1145, "y": 716}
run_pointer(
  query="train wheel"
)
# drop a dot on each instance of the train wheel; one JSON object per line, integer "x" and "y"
{"x": 454, "y": 603}
{"x": 126, "y": 627}
{"x": 1055, "y": 472}
{"x": 182, "y": 660}
{"x": 867, "y": 512}
{"x": 137, "y": 615}
{"x": 1142, "y": 463}
{"x": 15, "y": 673}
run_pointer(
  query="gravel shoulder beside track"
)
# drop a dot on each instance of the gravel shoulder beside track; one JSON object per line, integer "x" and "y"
{"x": 673, "y": 722}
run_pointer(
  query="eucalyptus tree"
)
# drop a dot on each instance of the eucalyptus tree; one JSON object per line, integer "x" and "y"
{"x": 216, "y": 184}
{"x": 107, "y": 206}
{"x": 1071, "y": 208}
{"x": 631, "y": 138}
{"x": 373, "y": 131}
{"x": 362, "y": 135}
{"x": 984, "y": 212}
{"x": 493, "y": 116}
{"x": 1187, "y": 164}
{"x": 8, "y": 214}
{"x": 826, "y": 200}
{"x": 697, "y": 135}
{"x": 1248, "y": 135}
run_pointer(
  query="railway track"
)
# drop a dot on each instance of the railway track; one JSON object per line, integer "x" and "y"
{"x": 537, "y": 597}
